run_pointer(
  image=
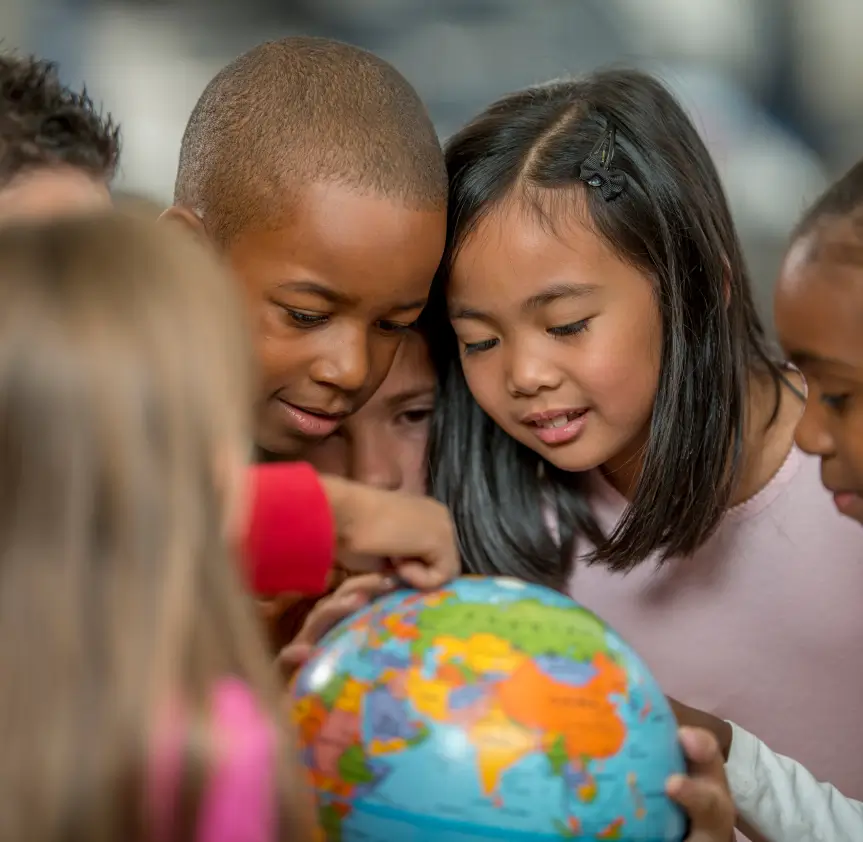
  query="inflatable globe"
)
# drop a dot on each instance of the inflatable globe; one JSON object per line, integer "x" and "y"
{"x": 489, "y": 710}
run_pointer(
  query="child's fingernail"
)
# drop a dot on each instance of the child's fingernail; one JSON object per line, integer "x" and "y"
{"x": 388, "y": 583}
{"x": 674, "y": 784}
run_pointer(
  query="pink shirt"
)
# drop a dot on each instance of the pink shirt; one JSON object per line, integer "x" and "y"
{"x": 239, "y": 804}
{"x": 763, "y": 625}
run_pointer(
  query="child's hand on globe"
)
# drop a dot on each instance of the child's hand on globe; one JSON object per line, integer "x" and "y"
{"x": 354, "y": 593}
{"x": 694, "y": 718}
{"x": 704, "y": 793}
{"x": 414, "y": 534}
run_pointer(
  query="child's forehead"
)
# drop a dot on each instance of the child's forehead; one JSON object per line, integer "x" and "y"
{"x": 413, "y": 358}
{"x": 53, "y": 191}
{"x": 361, "y": 246}
{"x": 819, "y": 306}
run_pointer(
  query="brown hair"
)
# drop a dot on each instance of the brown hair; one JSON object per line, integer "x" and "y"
{"x": 124, "y": 396}
{"x": 43, "y": 123}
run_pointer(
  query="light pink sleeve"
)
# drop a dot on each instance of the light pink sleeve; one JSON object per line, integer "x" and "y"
{"x": 240, "y": 802}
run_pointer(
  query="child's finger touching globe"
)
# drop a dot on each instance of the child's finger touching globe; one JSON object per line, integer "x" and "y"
{"x": 350, "y": 596}
{"x": 704, "y": 793}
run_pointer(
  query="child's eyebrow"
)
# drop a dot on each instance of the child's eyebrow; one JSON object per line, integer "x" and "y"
{"x": 557, "y": 291}
{"x": 808, "y": 358}
{"x": 411, "y": 394}
{"x": 553, "y": 293}
{"x": 314, "y": 288}
{"x": 334, "y": 296}
{"x": 411, "y": 305}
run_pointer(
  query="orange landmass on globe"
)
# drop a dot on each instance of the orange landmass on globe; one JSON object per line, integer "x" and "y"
{"x": 613, "y": 831}
{"x": 397, "y": 627}
{"x": 584, "y": 715}
{"x": 526, "y": 710}
{"x": 309, "y": 715}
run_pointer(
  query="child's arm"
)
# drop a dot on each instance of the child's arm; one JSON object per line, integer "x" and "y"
{"x": 775, "y": 794}
{"x": 290, "y": 542}
{"x": 299, "y": 522}
{"x": 779, "y": 795}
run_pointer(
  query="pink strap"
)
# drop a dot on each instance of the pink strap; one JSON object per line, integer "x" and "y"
{"x": 239, "y": 805}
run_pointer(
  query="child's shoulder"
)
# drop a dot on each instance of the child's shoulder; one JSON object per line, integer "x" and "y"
{"x": 239, "y": 802}
{"x": 794, "y": 500}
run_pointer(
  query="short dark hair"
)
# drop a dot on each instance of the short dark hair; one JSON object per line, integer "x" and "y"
{"x": 842, "y": 199}
{"x": 298, "y": 111}
{"x": 43, "y": 123}
{"x": 672, "y": 222}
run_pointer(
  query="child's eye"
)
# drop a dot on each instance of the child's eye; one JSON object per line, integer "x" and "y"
{"x": 305, "y": 319}
{"x": 836, "y": 403}
{"x": 415, "y": 417}
{"x": 477, "y": 347}
{"x": 570, "y": 329}
{"x": 393, "y": 327}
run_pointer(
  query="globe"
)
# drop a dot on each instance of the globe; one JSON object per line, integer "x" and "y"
{"x": 490, "y": 709}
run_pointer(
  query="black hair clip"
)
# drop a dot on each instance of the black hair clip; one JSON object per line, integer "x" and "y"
{"x": 596, "y": 170}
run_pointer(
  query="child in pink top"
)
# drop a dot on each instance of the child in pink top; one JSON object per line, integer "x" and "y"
{"x": 602, "y": 363}
{"x": 761, "y": 624}
{"x": 239, "y": 803}
{"x": 131, "y": 659}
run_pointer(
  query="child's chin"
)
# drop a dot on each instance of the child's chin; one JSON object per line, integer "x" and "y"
{"x": 573, "y": 459}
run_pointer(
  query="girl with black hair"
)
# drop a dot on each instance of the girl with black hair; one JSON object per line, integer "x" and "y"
{"x": 613, "y": 421}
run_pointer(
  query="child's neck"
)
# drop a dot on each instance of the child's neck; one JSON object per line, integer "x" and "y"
{"x": 765, "y": 446}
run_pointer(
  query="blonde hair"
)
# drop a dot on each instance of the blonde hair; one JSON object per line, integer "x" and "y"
{"x": 124, "y": 400}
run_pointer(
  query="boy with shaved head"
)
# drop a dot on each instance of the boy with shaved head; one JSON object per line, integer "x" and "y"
{"x": 313, "y": 165}
{"x": 314, "y": 168}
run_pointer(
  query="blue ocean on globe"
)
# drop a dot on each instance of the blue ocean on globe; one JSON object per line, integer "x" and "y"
{"x": 490, "y": 709}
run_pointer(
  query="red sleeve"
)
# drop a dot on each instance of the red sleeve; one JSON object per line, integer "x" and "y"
{"x": 290, "y": 542}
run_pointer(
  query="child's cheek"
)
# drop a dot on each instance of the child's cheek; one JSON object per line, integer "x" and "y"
{"x": 622, "y": 376}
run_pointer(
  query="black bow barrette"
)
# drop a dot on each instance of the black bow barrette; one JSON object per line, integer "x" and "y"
{"x": 596, "y": 170}
{"x": 610, "y": 182}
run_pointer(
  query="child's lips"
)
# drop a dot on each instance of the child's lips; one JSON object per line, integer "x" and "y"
{"x": 309, "y": 422}
{"x": 847, "y": 501}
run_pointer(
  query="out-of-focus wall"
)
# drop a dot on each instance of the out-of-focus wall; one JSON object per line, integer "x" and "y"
{"x": 771, "y": 83}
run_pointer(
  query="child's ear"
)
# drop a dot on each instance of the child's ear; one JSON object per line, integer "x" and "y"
{"x": 186, "y": 220}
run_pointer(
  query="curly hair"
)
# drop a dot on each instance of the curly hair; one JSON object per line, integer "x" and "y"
{"x": 45, "y": 124}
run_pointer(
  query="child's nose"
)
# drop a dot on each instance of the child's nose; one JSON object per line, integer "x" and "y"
{"x": 345, "y": 364}
{"x": 531, "y": 373}
{"x": 813, "y": 433}
{"x": 374, "y": 460}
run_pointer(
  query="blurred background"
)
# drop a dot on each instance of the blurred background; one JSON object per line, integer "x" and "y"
{"x": 773, "y": 84}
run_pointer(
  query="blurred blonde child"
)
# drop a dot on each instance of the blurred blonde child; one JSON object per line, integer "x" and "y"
{"x": 137, "y": 701}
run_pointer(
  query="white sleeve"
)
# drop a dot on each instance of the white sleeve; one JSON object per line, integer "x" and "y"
{"x": 779, "y": 797}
